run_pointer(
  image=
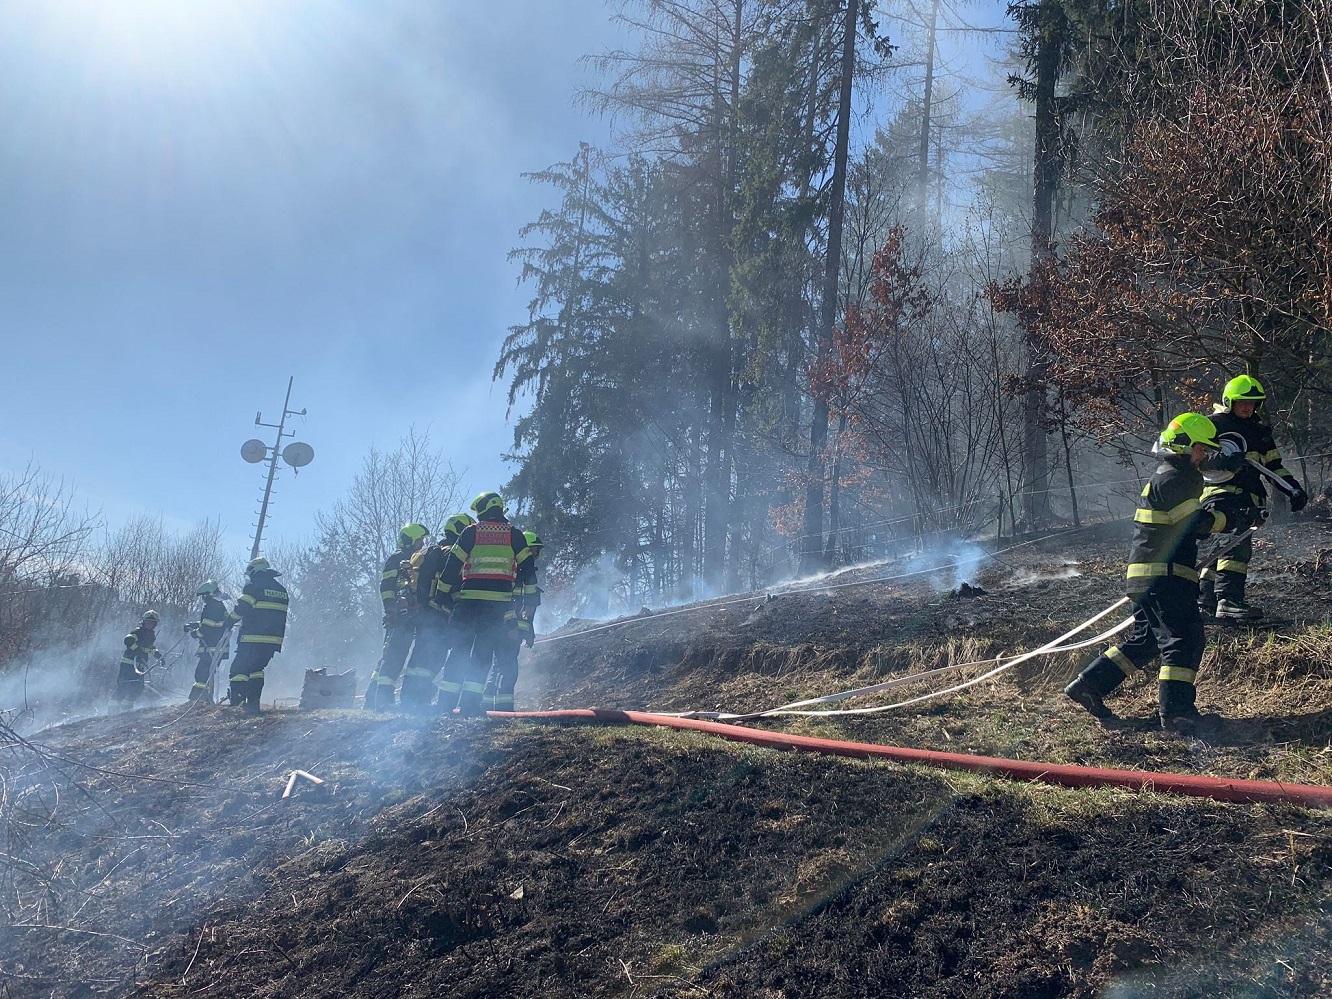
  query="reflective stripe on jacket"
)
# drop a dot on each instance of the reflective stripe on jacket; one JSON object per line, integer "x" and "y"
{"x": 1166, "y": 527}
{"x": 262, "y": 610}
{"x": 485, "y": 562}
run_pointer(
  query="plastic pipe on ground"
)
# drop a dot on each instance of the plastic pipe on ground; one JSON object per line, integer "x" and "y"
{"x": 1216, "y": 788}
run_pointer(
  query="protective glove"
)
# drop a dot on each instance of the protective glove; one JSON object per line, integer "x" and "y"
{"x": 157, "y": 656}
{"x": 524, "y": 631}
{"x": 1298, "y": 499}
{"x": 189, "y": 628}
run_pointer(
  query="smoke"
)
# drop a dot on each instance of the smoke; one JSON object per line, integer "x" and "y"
{"x": 605, "y": 591}
{"x": 66, "y": 681}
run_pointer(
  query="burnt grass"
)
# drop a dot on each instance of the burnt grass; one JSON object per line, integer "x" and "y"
{"x": 152, "y": 853}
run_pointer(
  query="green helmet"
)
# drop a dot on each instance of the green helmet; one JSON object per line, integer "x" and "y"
{"x": 1243, "y": 388}
{"x": 206, "y": 589}
{"x": 458, "y": 523}
{"x": 1185, "y": 431}
{"x": 259, "y": 564}
{"x": 533, "y": 541}
{"x": 487, "y": 502}
{"x": 410, "y": 534}
{"x": 152, "y": 615}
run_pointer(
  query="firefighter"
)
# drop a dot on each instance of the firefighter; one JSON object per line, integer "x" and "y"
{"x": 526, "y": 598}
{"x": 434, "y": 633}
{"x": 212, "y": 631}
{"x": 1241, "y": 494}
{"x": 479, "y": 577}
{"x": 140, "y": 654}
{"x": 399, "y": 618}
{"x": 1163, "y": 583}
{"x": 261, "y": 613}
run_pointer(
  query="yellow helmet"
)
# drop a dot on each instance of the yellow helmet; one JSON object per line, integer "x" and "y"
{"x": 410, "y": 534}
{"x": 1243, "y": 388}
{"x": 458, "y": 523}
{"x": 533, "y": 541}
{"x": 1184, "y": 431}
{"x": 152, "y": 615}
{"x": 259, "y": 564}
{"x": 207, "y": 588}
{"x": 487, "y": 502}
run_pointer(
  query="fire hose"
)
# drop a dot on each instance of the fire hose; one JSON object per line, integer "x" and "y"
{"x": 1064, "y": 775}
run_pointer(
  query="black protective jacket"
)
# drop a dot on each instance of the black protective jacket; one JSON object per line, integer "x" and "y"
{"x": 1167, "y": 525}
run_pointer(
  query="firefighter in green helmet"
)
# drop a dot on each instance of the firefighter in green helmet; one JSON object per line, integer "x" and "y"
{"x": 435, "y": 633}
{"x": 1162, "y": 580}
{"x": 212, "y": 633}
{"x": 1241, "y": 494}
{"x": 503, "y": 676}
{"x": 479, "y": 577}
{"x": 400, "y": 618}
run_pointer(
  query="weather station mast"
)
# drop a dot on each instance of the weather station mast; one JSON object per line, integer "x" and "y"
{"x": 295, "y": 454}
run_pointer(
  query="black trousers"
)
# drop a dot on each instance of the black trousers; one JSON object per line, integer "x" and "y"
{"x": 1228, "y": 578}
{"x": 247, "y": 673}
{"x": 398, "y": 639}
{"x": 1166, "y": 625}
{"x": 484, "y": 625}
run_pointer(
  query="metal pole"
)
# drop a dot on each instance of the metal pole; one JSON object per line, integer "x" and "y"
{"x": 272, "y": 472}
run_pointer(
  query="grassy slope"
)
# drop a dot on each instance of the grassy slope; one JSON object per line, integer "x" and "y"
{"x": 510, "y": 859}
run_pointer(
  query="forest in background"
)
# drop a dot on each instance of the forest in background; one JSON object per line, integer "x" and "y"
{"x": 824, "y": 301}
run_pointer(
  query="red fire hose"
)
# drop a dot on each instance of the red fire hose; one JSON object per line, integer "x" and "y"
{"x": 1217, "y": 788}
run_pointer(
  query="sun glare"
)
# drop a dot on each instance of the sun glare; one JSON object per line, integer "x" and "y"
{"x": 152, "y": 38}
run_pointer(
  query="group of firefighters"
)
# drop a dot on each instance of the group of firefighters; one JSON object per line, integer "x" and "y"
{"x": 456, "y": 613}
{"x": 455, "y": 616}
{"x": 1210, "y": 482}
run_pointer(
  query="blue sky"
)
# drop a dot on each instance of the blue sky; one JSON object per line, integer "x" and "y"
{"x": 199, "y": 198}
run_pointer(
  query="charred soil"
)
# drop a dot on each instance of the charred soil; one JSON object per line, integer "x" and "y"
{"x": 153, "y": 854}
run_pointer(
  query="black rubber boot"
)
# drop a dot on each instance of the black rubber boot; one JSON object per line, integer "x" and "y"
{"x": 1237, "y": 610}
{"x": 1089, "y": 689}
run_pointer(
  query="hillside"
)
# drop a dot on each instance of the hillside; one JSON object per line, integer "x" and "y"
{"x": 152, "y": 853}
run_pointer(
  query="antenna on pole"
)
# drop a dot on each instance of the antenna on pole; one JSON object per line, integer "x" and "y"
{"x": 295, "y": 454}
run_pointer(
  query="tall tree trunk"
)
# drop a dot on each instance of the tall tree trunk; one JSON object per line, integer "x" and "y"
{"x": 923, "y": 164}
{"x": 719, "y": 514}
{"x": 1045, "y": 183}
{"x": 811, "y": 542}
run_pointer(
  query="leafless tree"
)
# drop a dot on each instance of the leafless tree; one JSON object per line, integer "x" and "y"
{"x": 413, "y": 482}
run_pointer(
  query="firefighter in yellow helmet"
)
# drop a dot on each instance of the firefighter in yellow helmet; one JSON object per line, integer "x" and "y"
{"x": 479, "y": 577}
{"x": 260, "y": 613}
{"x": 140, "y": 654}
{"x": 435, "y": 633}
{"x": 400, "y": 618}
{"x": 1163, "y": 583}
{"x": 503, "y": 676}
{"x": 1241, "y": 494}
{"x": 211, "y": 630}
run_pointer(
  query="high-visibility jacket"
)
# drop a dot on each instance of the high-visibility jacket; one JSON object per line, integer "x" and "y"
{"x": 484, "y": 562}
{"x": 261, "y": 610}
{"x": 1167, "y": 525}
{"x": 139, "y": 645}
{"x": 1261, "y": 447}
{"x": 212, "y": 626}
